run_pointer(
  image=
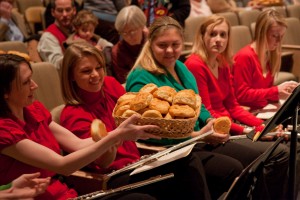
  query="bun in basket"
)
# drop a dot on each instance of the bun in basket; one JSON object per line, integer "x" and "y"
{"x": 140, "y": 101}
{"x": 150, "y": 87}
{"x": 127, "y": 97}
{"x": 160, "y": 105}
{"x": 165, "y": 93}
{"x": 185, "y": 97}
{"x": 129, "y": 113}
{"x": 152, "y": 114}
{"x": 98, "y": 130}
{"x": 181, "y": 111}
{"x": 222, "y": 125}
{"x": 121, "y": 109}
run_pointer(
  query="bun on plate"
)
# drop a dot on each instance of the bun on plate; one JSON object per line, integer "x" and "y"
{"x": 181, "y": 111}
{"x": 165, "y": 93}
{"x": 98, "y": 130}
{"x": 222, "y": 125}
{"x": 185, "y": 97}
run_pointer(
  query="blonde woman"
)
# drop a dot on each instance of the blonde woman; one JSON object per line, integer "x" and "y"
{"x": 258, "y": 63}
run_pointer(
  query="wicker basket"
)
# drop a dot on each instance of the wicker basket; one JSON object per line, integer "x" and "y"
{"x": 169, "y": 128}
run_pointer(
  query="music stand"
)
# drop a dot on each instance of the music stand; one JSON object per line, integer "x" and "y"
{"x": 245, "y": 183}
{"x": 288, "y": 109}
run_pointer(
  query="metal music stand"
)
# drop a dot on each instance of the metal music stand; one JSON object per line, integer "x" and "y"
{"x": 288, "y": 110}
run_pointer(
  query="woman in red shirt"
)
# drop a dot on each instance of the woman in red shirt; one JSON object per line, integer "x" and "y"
{"x": 256, "y": 64}
{"x": 209, "y": 63}
{"x": 31, "y": 142}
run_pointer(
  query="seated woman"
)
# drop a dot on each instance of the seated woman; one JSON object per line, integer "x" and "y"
{"x": 158, "y": 63}
{"x": 90, "y": 94}
{"x": 256, "y": 65}
{"x": 131, "y": 24}
{"x": 31, "y": 142}
{"x": 210, "y": 64}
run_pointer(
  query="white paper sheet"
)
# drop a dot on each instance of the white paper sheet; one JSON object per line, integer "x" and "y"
{"x": 180, "y": 153}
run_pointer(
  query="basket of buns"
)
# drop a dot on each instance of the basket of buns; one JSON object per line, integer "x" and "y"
{"x": 174, "y": 112}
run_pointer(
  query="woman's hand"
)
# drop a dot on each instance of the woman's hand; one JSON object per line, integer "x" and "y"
{"x": 286, "y": 88}
{"x": 29, "y": 186}
{"x": 128, "y": 130}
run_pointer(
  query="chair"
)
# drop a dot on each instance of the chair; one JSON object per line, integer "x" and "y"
{"x": 13, "y": 46}
{"x": 192, "y": 24}
{"x": 291, "y": 43}
{"x": 247, "y": 17}
{"x": 22, "y": 5}
{"x": 231, "y": 17}
{"x": 20, "y": 22}
{"x": 242, "y": 37}
{"x": 293, "y": 11}
{"x": 55, "y": 112}
{"x": 47, "y": 78}
{"x": 281, "y": 9}
{"x": 33, "y": 16}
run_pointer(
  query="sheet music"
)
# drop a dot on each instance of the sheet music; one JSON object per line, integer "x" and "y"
{"x": 269, "y": 110}
{"x": 180, "y": 153}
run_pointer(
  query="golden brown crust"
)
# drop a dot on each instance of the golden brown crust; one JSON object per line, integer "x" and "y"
{"x": 141, "y": 100}
{"x": 150, "y": 87}
{"x": 129, "y": 113}
{"x": 24, "y": 55}
{"x": 98, "y": 130}
{"x": 165, "y": 93}
{"x": 185, "y": 97}
{"x": 2, "y": 52}
{"x": 160, "y": 105}
{"x": 181, "y": 111}
{"x": 152, "y": 114}
{"x": 127, "y": 97}
{"x": 168, "y": 116}
{"x": 121, "y": 109}
{"x": 222, "y": 125}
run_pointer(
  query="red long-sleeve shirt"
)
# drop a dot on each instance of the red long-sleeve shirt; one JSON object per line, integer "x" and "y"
{"x": 218, "y": 96}
{"x": 252, "y": 88}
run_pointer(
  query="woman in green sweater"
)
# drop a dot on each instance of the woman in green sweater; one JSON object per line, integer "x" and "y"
{"x": 158, "y": 63}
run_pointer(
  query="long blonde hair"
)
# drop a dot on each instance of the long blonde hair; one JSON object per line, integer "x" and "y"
{"x": 146, "y": 59}
{"x": 264, "y": 22}
{"x": 199, "y": 45}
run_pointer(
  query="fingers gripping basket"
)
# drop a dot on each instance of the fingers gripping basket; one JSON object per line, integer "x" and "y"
{"x": 168, "y": 128}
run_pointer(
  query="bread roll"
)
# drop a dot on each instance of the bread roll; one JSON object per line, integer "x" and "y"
{"x": 181, "y": 111}
{"x": 160, "y": 105}
{"x": 140, "y": 101}
{"x": 98, "y": 130}
{"x": 24, "y": 55}
{"x": 152, "y": 114}
{"x": 165, "y": 93}
{"x": 222, "y": 125}
{"x": 150, "y": 87}
{"x": 121, "y": 109}
{"x": 168, "y": 116}
{"x": 129, "y": 113}
{"x": 126, "y": 98}
{"x": 185, "y": 97}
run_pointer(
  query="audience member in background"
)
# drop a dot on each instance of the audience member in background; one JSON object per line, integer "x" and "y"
{"x": 84, "y": 24}
{"x": 177, "y": 9}
{"x": 90, "y": 94}
{"x": 31, "y": 142}
{"x": 25, "y": 186}
{"x": 256, "y": 64}
{"x": 106, "y": 11}
{"x": 199, "y": 8}
{"x": 50, "y": 46}
{"x": 218, "y": 6}
{"x": 131, "y": 24}
{"x": 158, "y": 63}
{"x": 210, "y": 64}
{"x": 9, "y": 29}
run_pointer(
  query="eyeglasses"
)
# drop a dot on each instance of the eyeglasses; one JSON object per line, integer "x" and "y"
{"x": 129, "y": 33}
